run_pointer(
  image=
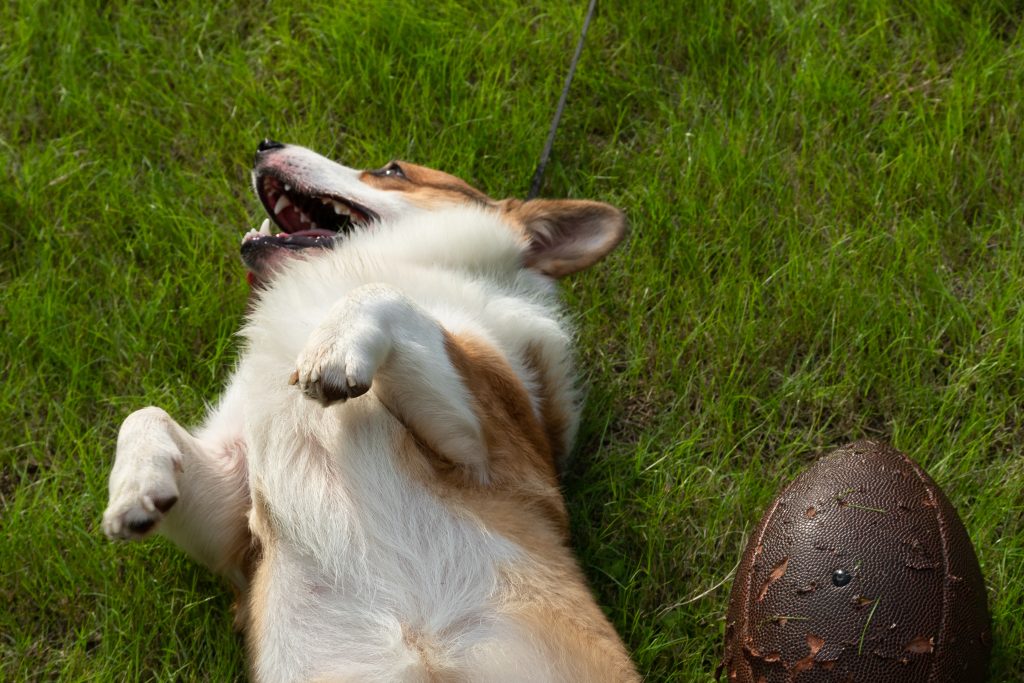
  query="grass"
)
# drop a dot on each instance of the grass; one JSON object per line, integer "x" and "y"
{"x": 826, "y": 209}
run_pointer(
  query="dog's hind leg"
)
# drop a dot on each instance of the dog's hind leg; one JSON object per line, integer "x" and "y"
{"x": 192, "y": 490}
{"x": 378, "y": 336}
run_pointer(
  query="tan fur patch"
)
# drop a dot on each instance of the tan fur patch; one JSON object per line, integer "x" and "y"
{"x": 427, "y": 187}
{"x": 581, "y": 642}
{"x": 249, "y": 563}
{"x": 259, "y": 614}
{"x": 252, "y": 607}
{"x": 519, "y": 458}
{"x": 521, "y": 501}
{"x": 552, "y": 409}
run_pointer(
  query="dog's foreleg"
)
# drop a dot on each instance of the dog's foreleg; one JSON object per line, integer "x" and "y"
{"x": 195, "y": 493}
{"x": 377, "y": 336}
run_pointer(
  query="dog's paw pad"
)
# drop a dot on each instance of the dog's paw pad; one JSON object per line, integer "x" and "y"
{"x": 131, "y": 518}
{"x": 329, "y": 374}
{"x": 328, "y": 389}
{"x": 165, "y": 503}
{"x": 138, "y": 522}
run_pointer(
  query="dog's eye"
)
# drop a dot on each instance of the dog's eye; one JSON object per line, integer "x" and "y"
{"x": 392, "y": 170}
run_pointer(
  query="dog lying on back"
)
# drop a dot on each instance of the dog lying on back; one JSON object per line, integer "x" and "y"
{"x": 379, "y": 479}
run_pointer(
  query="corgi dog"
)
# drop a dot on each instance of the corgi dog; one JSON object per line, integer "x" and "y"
{"x": 379, "y": 480}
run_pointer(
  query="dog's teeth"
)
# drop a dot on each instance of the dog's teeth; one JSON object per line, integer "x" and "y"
{"x": 313, "y": 225}
{"x": 340, "y": 209}
{"x": 287, "y": 187}
{"x": 282, "y": 204}
{"x": 303, "y": 218}
{"x": 265, "y": 227}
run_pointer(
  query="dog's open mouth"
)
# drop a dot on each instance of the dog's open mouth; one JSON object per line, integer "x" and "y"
{"x": 310, "y": 213}
{"x": 305, "y": 219}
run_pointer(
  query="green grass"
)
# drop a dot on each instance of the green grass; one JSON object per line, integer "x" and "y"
{"x": 826, "y": 244}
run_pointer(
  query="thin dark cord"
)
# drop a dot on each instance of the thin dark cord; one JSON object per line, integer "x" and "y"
{"x": 538, "y": 175}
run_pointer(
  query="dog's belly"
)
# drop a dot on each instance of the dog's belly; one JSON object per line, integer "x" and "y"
{"x": 312, "y": 630}
{"x": 393, "y": 616}
{"x": 379, "y": 579}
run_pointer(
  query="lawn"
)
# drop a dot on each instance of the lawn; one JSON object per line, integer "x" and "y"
{"x": 825, "y": 200}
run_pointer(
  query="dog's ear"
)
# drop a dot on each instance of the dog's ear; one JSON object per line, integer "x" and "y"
{"x": 567, "y": 235}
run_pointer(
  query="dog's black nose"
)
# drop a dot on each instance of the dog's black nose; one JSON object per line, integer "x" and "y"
{"x": 266, "y": 144}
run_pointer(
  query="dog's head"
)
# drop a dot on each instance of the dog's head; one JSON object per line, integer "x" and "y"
{"x": 315, "y": 203}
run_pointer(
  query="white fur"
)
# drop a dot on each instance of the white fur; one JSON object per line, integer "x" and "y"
{"x": 376, "y": 541}
{"x": 363, "y": 546}
{"x": 368, "y": 566}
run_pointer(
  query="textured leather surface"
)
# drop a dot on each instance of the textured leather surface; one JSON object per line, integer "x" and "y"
{"x": 913, "y": 607}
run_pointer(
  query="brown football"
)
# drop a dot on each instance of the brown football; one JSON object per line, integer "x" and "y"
{"x": 860, "y": 571}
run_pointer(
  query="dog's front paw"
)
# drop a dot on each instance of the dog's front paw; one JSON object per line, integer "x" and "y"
{"x": 340, "y": 360}
{"x": 132, "y": 516}
{"x": 143, "y": 486}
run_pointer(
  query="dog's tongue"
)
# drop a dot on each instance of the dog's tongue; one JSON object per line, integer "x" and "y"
{"x": 263, "y": 251}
